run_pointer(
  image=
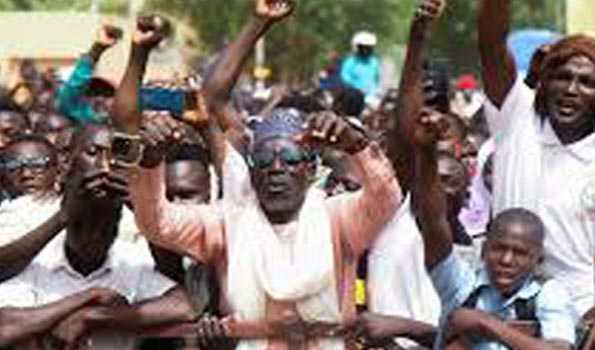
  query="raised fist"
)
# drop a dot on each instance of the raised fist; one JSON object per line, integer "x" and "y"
{"x": 274, "y": 9}
{"x": 430, "y": 10}
{"x": 150, "y": 31}
{"x": 109, "y": 35}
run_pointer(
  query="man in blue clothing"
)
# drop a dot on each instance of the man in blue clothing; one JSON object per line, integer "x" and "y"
{"x": 361, "y": 70}
{"x": 85, "y": 98}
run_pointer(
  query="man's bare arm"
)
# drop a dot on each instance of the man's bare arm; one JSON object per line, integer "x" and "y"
{"x": 497, "y": 64}
{"x": 148, "y": 34}
{"x": 410, "y": 102}
{"x": 16, "y": 256}
{"x": 18, "y": 324}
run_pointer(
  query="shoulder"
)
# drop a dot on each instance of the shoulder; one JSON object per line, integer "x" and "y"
{"x": 552, "y": 291}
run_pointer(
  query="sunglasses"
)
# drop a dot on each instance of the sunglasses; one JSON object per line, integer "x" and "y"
{"x": 289, "y": 157}
{"x": 13, "y": 165}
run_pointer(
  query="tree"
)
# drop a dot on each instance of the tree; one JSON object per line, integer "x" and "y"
{"x": 297, "y": 48}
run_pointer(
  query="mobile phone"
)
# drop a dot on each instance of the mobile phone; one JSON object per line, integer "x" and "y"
{"x": 175, "y": 101}
{"x": 127, "y": 150}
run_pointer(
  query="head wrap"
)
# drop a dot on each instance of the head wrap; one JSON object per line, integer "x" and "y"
{"x": 283, "y": 122}
{"x": 560, "y": 53}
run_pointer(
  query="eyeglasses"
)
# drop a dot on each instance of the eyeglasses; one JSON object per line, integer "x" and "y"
{"x": 289, "y": 156}
{"x": 36, "y": 164}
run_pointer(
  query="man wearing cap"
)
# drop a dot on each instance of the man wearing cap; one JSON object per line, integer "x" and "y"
{"x": 86, "y": 98}
{"x": 361, "y": 70}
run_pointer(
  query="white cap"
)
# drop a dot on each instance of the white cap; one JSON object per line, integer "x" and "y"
{"x": 364, "y": 38}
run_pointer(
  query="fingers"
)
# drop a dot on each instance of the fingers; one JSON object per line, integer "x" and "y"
{"x": 209, "y": 329}
{"x": 431, "y": 9}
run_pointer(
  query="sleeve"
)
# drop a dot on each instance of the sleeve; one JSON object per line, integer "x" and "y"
{"x": 152, "y": 284}
{"x": 20, "y": 291}
{"x": 453, "y": 280}
{"x": 69, "y": 99}
{"x": 554, "y": 312}
{"x": 363, "y": 214}
{"x": 194, "y": 230}
{"x": 346, "y": 69}
{"x": 518, "y": 104}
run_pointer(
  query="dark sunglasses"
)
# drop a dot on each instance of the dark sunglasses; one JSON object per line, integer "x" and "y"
{"x": 12, "y": 164}
{"x": 289, "y": 156}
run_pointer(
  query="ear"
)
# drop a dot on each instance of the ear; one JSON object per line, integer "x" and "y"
{"x": 483, "y": 249}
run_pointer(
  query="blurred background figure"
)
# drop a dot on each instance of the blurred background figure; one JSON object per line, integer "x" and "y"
{"x": 361, "y": 70}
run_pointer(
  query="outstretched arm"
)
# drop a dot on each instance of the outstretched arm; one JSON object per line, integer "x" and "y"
{"x": 428, "y": 198}
{"x": 497, "y": 64}
{"x": 224, "y": 74}
{"x": 149, "y": 33}
{"x": 15, "y": 256}
{"x": 410, "y": 102}
{"x": 69, "y": 97}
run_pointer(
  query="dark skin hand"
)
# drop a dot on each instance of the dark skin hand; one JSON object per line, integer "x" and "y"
{"x": 410, "y": 100}
{"x": 172, "y": 307}
{"x": 376, "y": 330}
{"x": 498, "y": 68}
{"x": 328, "y": 129}
{"x": 107, "y": 37}
{"x": 19, "y": 324}
{"x": 226, "y": 123}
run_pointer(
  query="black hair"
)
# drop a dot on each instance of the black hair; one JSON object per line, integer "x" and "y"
{"x": 305, "y": 102}
{"x": 15, "y": 111}
{"x": 437, "y": 70}
{"x": 348, "y": 101}
{"x": 188, "y": 152}
{"x": 33, "y": 138}
{"x": 522, "y": 216}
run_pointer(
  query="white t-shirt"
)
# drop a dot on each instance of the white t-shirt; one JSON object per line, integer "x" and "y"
{"x": 50, "y": 278}
{"x": 397, "y": 282}
{"x": 533, "y": 170}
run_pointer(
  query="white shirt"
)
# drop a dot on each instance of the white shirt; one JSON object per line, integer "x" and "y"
{"x": 23, "y": 214}
{"x": 50, "y": 278}
{"x": 397, "y": 282}
{"x": 533, "y": 170}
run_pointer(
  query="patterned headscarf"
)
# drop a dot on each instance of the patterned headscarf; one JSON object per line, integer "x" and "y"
{"x": 283, "y": 122}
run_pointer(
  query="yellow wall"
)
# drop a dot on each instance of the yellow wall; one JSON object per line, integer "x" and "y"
{"x": 581, "y": 16}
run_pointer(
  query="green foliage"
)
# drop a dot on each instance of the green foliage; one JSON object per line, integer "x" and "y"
{"x": 297, "y": 47}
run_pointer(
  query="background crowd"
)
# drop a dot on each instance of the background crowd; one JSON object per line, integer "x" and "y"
{"x": 197, "y": 212}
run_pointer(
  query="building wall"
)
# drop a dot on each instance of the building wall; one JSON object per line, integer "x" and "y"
{"x": 580, "y": 16}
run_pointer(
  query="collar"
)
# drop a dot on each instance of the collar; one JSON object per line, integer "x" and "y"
{"x": 583, "y": 149}
{"x": 58, "y": 260}
{"x": 529, "y": 289}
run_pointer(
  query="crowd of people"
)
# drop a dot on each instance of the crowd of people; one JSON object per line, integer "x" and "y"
{"x": 312, "y": 219}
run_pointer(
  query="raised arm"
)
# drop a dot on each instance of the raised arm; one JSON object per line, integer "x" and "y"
{"x": 15, "y": 256}
{"x": 148, "y": 34}
{"x": 69, "y": 97}
{"x": 362, "y": 214}
{"x": 400, "y": 150}
{"x": 497, "y": 64}
{"x": 428, "y": 197}
{"x": 224, "y": 74}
